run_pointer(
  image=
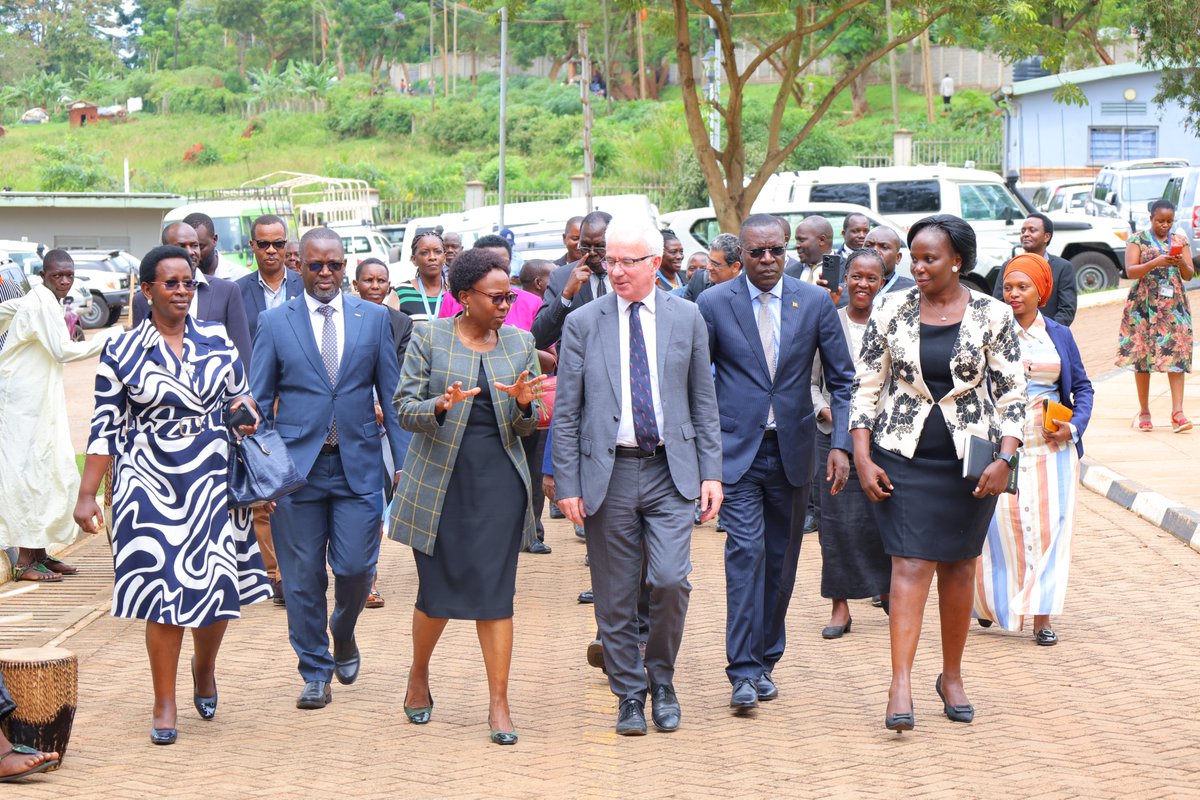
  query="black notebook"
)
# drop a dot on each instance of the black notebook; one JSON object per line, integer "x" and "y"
{"x": 982, "y": 452}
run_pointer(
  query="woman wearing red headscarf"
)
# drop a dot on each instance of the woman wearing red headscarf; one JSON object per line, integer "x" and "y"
{"x": 1026, "y": 557}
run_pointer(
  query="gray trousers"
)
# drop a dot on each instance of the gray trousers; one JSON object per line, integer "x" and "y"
{"x": 642, "y": 509}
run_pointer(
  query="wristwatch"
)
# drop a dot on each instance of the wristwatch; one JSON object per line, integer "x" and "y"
{"x": 1009, "y": 460}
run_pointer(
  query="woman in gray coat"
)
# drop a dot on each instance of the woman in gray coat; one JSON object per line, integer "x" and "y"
{"x": 466, "y": 392}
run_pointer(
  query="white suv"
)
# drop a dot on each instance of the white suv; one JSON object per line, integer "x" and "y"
{"x": 1129, "y": 187}
{"x": 906, "y": 194}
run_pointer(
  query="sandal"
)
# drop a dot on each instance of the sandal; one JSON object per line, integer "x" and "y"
{"x": 22, "y": 750}
{"x": 35, "y": 572}
{"x": 374, "y": 600}
{"x": 1180, "y": 423}
{"x": 1142, "y": 423}
{"x": 55, "y": 565}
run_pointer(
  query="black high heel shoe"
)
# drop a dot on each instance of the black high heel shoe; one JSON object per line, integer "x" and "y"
{"x": 900, "y": 722}
{"x": 960, "y": 713}
{"x": 163, "y": 735}
{"x": 206, "y": 706}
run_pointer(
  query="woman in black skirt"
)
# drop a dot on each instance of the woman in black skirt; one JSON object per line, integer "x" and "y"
{"x": 466, "y": 393}
{"x": 854, "y": 564}
{"x": 939, "y": 363}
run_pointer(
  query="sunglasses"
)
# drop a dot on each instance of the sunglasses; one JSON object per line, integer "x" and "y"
{"x": 333, "y": 266}
{"x": 758, "y": 252}
{"x": 592, "y": 248}
{"x": 265, "y": 244}
{"x": 499, "y": 299}
{"x": 174, "y": 283}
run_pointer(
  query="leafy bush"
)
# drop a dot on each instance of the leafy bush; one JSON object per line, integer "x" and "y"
{"x": 514, "y": 171}
{"x": 71, "y": 168}
{"x": 457, "y": 125}
{"x": 822, "y": 148}
{"x": 363, "y": 118}
{"x": 687, "y": 187}
{"x": 199, "y": 100}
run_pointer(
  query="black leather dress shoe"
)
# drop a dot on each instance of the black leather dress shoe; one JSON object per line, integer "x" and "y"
{"x": 767, "y": 690}
{"x": 586, "y": 596}
{"x": 631, "y": 718}
{"x": 836, "y": 631}
{"x": 346, "y": 662}
{"x": 277, "y": 592}
{"x": 810, "y": 523}
{"x": 666, "y": 711}
{"x": 163, "y": 735}
{"x": 316, "y": 694}
{"x": 745, "y": 695}
{"x": 538, "y": 548}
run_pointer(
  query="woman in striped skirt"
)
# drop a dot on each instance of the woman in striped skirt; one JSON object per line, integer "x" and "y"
{"x": 1026, "y": 558}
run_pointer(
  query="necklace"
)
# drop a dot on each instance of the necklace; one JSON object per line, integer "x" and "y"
{"x": 941, "y": 317}
{"x": 468, "y": 340}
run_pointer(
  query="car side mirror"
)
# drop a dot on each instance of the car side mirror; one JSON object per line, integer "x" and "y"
{"x": 395, "y": 253}
{"x": 1008, "y": 215}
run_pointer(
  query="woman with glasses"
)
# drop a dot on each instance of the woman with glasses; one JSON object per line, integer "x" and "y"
{"x": 422, "y": 299}
{"x": 466, "y": 392}
{"x": 182, "y": 557}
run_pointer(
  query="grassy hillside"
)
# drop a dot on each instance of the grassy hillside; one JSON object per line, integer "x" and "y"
{"x": 407, "y": 151}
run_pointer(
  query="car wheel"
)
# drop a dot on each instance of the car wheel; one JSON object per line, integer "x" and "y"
{"x": 1094, "y": 272}
{"x": 97, "y": 315}
{"x": 114, "y": 315}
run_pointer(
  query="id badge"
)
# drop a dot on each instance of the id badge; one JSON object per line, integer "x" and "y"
{"x": 1166, "y": 290}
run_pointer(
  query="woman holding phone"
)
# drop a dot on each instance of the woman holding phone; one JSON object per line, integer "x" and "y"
{"x": 1156, "y": 330}
{"x": 1027, "y": 555}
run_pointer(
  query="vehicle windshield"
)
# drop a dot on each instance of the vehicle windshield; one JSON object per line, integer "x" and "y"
{"x": 1143, "y": 187}
{"x": 229, "y": 234}
{"x": 988, "y": 201}
{"x": 31, "y": 263}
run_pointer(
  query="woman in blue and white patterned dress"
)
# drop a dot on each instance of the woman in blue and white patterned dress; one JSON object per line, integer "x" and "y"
{"x": 183, "y": 558}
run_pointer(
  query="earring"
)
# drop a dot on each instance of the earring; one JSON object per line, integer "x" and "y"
{"x": 466, "y": 311}
{"x": 954, "y": 269}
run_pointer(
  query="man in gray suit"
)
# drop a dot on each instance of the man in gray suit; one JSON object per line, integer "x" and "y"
{"x": 636, "y": 441}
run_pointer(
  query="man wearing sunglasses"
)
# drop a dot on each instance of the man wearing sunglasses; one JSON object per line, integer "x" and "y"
{"x": 574, "y": 284}
{"x": 215, "y": 299}
{"x": 764, "y": 330}
{"x": 319, "y": 363}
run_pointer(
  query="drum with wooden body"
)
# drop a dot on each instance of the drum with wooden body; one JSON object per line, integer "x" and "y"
{"x": 44, "y": 683}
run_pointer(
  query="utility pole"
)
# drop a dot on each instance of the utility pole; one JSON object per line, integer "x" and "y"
{"x": 445, "y": 47}
{"x": 455, "y": 59}
{"x": 503, "y": 107}
{"x": 432, "y": 91}
{"x": 641, "y": 54}
{"x": 585, "y": 92}
{"x": 607, "y": 62}
{"x": 887, "y": 15}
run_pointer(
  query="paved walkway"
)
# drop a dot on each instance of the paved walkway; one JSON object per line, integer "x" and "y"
{"x": 1110, "y": 712}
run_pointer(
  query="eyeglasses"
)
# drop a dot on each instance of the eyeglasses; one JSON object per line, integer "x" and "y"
{"x": 625, "y": 263}
{"x": 175, "y": 283}
{"x": 499, "y": 299}
{"x": 592, "y": 248}
{"x": 264, "y": 244}
{"x": 333, "y": 266}
{"x": 757, "y": 252}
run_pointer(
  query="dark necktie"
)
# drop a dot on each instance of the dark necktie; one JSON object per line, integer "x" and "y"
{"x": 329, "y": 354}
{"x": 645, "y": 428}
{"x": 600, "y": 289}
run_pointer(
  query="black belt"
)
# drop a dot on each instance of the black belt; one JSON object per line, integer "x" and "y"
{"x": 637, "y": 452}
{"x": 770, "y": 434}
{"x": 329, "y": 449}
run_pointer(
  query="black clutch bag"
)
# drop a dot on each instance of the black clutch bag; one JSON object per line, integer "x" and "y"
{"x": 980, "y": 454}
{"x": 260, "y": 468}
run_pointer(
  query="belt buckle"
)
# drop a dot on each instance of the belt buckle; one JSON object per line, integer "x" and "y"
{"x": 190, "y": 426}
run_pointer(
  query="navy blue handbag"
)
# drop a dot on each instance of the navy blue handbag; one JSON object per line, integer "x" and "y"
{"x": 261, "y": 470}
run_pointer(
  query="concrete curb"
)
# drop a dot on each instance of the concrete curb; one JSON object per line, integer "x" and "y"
{"x": 1178, "y": 520}
{"x": 1105, "y": 298}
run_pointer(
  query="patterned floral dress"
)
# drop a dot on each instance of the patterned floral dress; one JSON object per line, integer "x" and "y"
{"x": 1156, "y": 330}
{"x": 181, "y": 555}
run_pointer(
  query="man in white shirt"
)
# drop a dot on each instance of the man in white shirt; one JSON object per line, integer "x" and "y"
{"x": 211, "y": 263}
{"x": 633, "y": 448}
{"x": 947, "y": 91}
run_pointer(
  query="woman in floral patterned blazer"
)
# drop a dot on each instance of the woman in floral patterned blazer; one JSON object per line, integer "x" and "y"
{"x": 943, "y": 363}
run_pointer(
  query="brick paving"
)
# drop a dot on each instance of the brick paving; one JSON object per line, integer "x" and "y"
{"x": 1110, "y": 712}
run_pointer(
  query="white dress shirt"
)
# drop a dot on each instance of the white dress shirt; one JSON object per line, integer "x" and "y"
{"x": 274, "y": 298}
{"x": 199, "y": 277}
{"x": 646, "y": 315}
{"x": 318, "y": 320}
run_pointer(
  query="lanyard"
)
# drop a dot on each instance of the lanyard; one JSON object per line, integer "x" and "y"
{"x": 437, "y": 307}
{"x": 663, "y": 278}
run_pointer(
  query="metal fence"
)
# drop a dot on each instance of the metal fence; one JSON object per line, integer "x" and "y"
{"x": 493, "y": 198}
{"x": 956, "y": 153}
{"x": 873, "y": 160}
{"x": 657, "y": 192}
{"x": 398, "y": 210}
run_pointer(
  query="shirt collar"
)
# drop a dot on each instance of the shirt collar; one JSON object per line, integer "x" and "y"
{"x": 647, "y": 302}
{"x": 199, "y": 277}
{"x": 313, "y": 303}
{"x": 776, "y": 290}
{"x": 267, "y": 287}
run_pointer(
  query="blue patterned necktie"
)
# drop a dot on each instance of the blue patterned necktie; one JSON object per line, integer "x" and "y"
{"x": 329, "y": 354}
{"x": 645, "y": 428}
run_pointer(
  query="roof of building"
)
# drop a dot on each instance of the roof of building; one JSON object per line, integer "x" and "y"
{"x": 90, "y": 200}
{"x": 1051, "y": 82}
{"x": 81, "y": 104}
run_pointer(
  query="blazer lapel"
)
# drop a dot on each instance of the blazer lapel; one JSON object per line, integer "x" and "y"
{"x": 293, "y": 286}
{"x": 911, "y": 309}
{"x": 302, "y": 327}
{"x": 664, "y": 320}
{"x": 354, "y": 325}
{"x": 789, "y": 323}
{"x": 610, "y": 331}
{"x": 743, "y": 311}
{"x": 204, "y": 300}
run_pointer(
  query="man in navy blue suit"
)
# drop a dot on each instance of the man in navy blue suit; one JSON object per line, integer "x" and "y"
{"x": 270, "y": 287}
{"x": 319, "y": 363}
{"x": 764, "y": 330}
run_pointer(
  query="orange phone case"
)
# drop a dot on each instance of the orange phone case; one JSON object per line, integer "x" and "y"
{"x": 1053, "y": 413}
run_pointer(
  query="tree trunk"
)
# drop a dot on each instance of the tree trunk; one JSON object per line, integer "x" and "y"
{"x": 858, "y": 95}
{"x": 555, "y": 66}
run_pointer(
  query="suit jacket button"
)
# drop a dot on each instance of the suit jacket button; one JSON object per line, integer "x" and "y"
{"x": 616, "y": 419}
{"x": 611, "y": 451}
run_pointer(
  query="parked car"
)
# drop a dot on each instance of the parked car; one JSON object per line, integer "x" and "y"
{"x": 362, "y": 242}
{"x": 906, "y": 194}
{"x": 29, "y": 262}
{"x": 1184, "y": 191}
{"x": 1130, "y": 186}
{"x": 107, "y": 275}
{"x": 10, "y": 271}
